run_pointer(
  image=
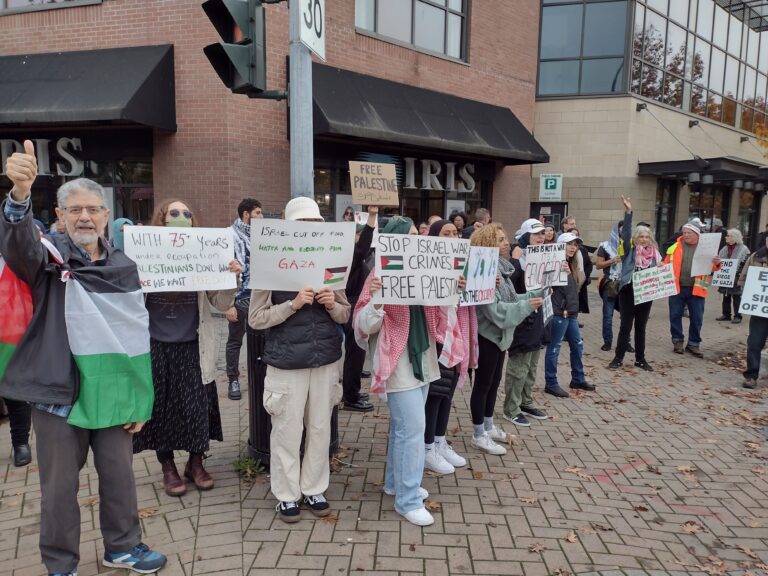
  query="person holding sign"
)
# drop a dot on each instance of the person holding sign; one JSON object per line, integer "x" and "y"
{"x": 758, "y": 325}
{"x": 302, "y": 351}
{"x": 638, "y": 251}
{"x": 734, "y": 249}
{"x": 691, "y": 291}
{"x": 496, "y": 325}
{"x": 184, "y": 351}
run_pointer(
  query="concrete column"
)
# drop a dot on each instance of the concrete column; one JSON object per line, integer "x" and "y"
{"x": 683, "y": 203}
{"x": 733, "y": 210}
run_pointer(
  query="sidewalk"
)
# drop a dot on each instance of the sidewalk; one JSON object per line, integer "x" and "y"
{"x": 655, "y": 473}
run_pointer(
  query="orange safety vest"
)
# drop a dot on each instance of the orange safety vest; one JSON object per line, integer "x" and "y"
{"x": 700, "y": 283}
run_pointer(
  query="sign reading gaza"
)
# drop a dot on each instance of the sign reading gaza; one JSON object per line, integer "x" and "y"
{"x": 419, "y": 269}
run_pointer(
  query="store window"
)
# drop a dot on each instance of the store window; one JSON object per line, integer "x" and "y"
{"x": 434, "y": 26}
{"x": 749, "y": 212}
{"x": 666, "y": 200}
{"x": 709, "y": 203}
{"x": 14, "y": 6}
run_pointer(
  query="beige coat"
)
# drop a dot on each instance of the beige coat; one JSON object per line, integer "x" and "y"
{"x": 221, "y": 300}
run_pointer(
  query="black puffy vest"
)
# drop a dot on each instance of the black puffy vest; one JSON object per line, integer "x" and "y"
{"x": 308, "y": 339}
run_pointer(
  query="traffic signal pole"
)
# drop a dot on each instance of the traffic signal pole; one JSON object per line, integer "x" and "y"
{"x": 300, "y": 106}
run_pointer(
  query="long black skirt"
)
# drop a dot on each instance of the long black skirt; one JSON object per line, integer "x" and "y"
{"x": 186, "y": 413}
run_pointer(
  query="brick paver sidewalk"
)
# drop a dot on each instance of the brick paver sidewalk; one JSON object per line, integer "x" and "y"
{"x": 655, "y": 473}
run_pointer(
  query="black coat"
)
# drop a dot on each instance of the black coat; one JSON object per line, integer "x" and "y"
{"x": 529, "y": 334}
{"x": 583, "y": 294}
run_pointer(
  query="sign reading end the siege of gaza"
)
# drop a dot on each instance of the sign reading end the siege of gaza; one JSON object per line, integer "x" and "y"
{"x": 373, "y": 184}
{"x": 181, "y": 259}
{"x": 754, "y": 299}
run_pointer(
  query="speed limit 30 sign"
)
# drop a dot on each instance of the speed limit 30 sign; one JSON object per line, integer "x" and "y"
{"x": 313, "y": 26}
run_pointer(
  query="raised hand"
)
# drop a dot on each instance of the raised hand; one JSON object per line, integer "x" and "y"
{"x": 21, "y": 169}
{"x": 627, "y": 203}
{"x": 373, "y": 215}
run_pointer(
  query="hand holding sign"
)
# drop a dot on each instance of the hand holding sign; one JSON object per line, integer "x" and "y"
{"x": 304, "y": 297}
{"x": 21, "y": 169}
{"x": 326, "y": 297}
{"x": 235, "y": 267}
{"x": 536, "y": 302}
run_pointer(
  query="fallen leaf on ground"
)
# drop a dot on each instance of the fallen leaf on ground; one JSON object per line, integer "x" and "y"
{"x": 753, "y": 446}
{"x": 561, "y": 572}
{"x": 748, "y": 552}
{"x": 330, "y": 519}
{"x": 511, "y": 439}
{"x": 529, "y": 500}
{"x": 641, "y": 509}
{"x": 760, "y": 470}
{"x": 579, "y": 472}
{"x": 652, "y": 468}
{"x": 687, "y": 469}
{"x": 432, "y": 505}
{"x": 90, "y": 501}
{"x": 692, "y": 527}
{"x": 601, "y": 527}
{"x": 571, "y": 537}
{"x": 477, "y": 475}
{"x": 147, "y": 512}
{"x": 536, "y": 547}
{"x": 412, "y": 547}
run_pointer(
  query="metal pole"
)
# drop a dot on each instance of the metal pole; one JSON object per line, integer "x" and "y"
{"x": 300, "y": 101}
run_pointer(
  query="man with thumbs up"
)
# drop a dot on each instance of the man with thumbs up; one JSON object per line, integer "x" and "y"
{"x": 52, "y": 386}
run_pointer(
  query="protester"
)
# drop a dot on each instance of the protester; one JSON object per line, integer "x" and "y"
{"x": 40, "y": 226}
{"x": 423, "y": 229}
{"x": 527, "y": 340}
{"x": 405, "y": 361}
{"x": 762, "y": 237}
{"x": 638, "y": 251}
{"x": 248, "y": 210}
{"x": 459, "y": 219}
{"x": 482, "y": 217}
{"x": 609, "y": 261}
{"x": 692, "y": 291}
{"x": 118, "y": 237}
{"x": 567, "y": 224}
{"x": 50, "y": 385}
{"x": 758, "y": 325}
{"x": 565, "y": 323}
{"x": 587, "y": 260}
{"x": 58, "y": 228}
{"x": 349, "y": 214}
{"x": 301, "y": 388}
{"x": 496, "y": 323}
{"x": 549, "y": 234}
{"x": 736, "y": 250}
{"x": 670, "y": 241}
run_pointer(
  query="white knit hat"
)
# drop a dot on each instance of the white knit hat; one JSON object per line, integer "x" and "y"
{"x": 303, "y": 208}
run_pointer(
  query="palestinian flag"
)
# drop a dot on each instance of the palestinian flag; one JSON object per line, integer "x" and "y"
{"x": 458, "y": 263}
{"x": 108, "y": 329}
{"x": 391, "y": 262}
{"x": 334, "y": 275}
{"x": 15, "y": 313}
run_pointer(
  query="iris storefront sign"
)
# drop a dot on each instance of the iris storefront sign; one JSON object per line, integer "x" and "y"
{"x": 435, "y": 175}
{"x": 68, "y": 161}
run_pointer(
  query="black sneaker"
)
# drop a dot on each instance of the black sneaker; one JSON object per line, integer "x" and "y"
{"x": 289, "y": 511}
{"x": 615, "y": 364}
{"x": 723, "y": 318}
{"x": 364, "y": 396}
{"x": 644, "y": 365}
{"x": 233, "y": 392}
{"x": 534, "y": 412}
{"x": 556, "y": 391}
{"x": 518, "y": 420}
{"x": 605, "y": 347}
{"x": 318, "y": 505}
{"x": 583, "y": 386}
{"x": 736, "y": 320}
{"x": 358, "y": 406}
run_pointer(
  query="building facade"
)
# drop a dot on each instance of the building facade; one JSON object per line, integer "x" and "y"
{"x": 660, "y": 100}
{"x": 120, "y": 91}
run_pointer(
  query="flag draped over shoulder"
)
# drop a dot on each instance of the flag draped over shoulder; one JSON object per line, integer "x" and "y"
{"x": 108, "y": 330}
{"x": 15, "y": 313}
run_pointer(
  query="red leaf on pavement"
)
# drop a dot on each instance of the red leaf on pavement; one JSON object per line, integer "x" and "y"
{"x": 692, "y": 527}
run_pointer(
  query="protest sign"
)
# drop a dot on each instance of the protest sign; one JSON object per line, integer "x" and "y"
{"x": 546, "y": 308}
{"x": 726, "y": 276}
{"x": 419, "y": 269}
{"x": 541, "y": 260}
{"x": 654, "y": 283}
{"x": 481, "y": 272}
{"x": 291, "y": 255}
{"x": 706, "y": 250}
{"x": 754, "y": 298}
{"x": 181, "y": 259}
{"x": 373, "y": 183}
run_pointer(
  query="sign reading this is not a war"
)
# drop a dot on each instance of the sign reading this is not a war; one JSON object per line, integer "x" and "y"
{"x": 541, "y": 261}
{"x": 754, "y": 299}
{"x": 419, "y": 269}
{"x": 291, "y": 255}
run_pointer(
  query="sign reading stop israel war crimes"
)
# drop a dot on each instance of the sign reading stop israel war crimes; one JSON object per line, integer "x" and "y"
{"x": 481, "y": 272}
{"x": 654, "y": 283}
{"x": 419, "y": 269}
{"x": 291, "y": 255}
{"x": 542, "y": 260}
{"x": 754, "y": 299}
{"x": 373, "y": 184}
{"x": 181, "y": 259}
{"x": 726, "y": 276}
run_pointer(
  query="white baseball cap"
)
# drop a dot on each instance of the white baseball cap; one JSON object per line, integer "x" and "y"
{"x": 567, "y": 237}
{"x": 530, "y": 226}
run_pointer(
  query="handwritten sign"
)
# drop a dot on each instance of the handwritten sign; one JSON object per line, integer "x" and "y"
{"x": 181, "y": 259}
{"x": 544, "y": 259}
{"x": 373, "y": 183}
{"x": 481, "y": 272}
{"x": 726, "y": 276}
{"x": 754, "y": 299}
{"x": 419, "y": 269}
{"x": 547, "y": 311}
{"x": 291, "y": 255}
{"x": 706, "y": 250}
{"x": 653, "y": 283}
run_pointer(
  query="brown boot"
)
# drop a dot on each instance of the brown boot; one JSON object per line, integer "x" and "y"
{"x": 172, "y": 482}
{"x": 195, "y": 472}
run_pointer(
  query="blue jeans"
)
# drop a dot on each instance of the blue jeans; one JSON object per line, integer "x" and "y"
{"x": 568, "y": 329}
{"x": 405, "y": 453}
{"x": 677, "y": 304}
{"x": 608, "y": 306}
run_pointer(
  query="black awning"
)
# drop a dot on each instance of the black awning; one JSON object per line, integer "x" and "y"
{"x": 355, "y": 105}
{"x": 123, "y": 85}
{"x": 722, "y": 169}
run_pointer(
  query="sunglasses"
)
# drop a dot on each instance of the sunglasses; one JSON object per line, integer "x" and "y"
{"x": 176, "y": 213}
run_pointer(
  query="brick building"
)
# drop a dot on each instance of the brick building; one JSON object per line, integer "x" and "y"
{"x": 120, "y": 90}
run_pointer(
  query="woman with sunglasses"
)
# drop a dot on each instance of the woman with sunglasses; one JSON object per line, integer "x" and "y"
{"x": 349, "y": 214}
{"x": 184, "y": 349}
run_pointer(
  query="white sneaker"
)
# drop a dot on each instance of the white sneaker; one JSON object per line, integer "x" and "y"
{"x": 497, "y": 434}
{"x": 434, "y": 461}
{"x": 422, "y": 492}
{"x": 419, "y": 517}
{"x": 449, "y": 455}
{"x": 485, "y": 444}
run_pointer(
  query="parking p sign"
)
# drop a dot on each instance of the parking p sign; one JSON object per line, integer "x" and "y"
{"x": 551, "y": 187}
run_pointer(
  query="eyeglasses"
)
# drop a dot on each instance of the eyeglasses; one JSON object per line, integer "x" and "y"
{"x": 176, "y": 213}
{"x": 76, "y": 210}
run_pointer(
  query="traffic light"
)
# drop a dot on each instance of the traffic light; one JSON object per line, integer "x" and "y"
{"x": 241, "y": 59}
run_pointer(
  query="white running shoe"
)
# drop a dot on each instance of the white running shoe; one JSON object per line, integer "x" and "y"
{"x": 419, "y": 517}
{"x": 497, "y": 434}
{"x": 485, "y": 444}
{"x": 422, "y": 492}
{"x": 446, "y": 451}
{"x": 434, "y": 461}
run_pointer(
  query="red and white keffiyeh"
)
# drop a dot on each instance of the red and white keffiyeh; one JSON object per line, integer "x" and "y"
{"x": 455, "y": 324}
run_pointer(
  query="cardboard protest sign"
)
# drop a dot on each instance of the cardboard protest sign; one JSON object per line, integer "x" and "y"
{"x": 481, "y": 272}
{"x": 654, "y": 283}
{"x": 373, "y": 183}
{"x": 541, "y": 260}
{"x": 754, "y": 298}
{"x": 291, "y": 255}
{"x": 726, "y": 276}
{"x": 181, "y": 259}
{"x": 706, "y": 250}
{"x": 419, "y": 269}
